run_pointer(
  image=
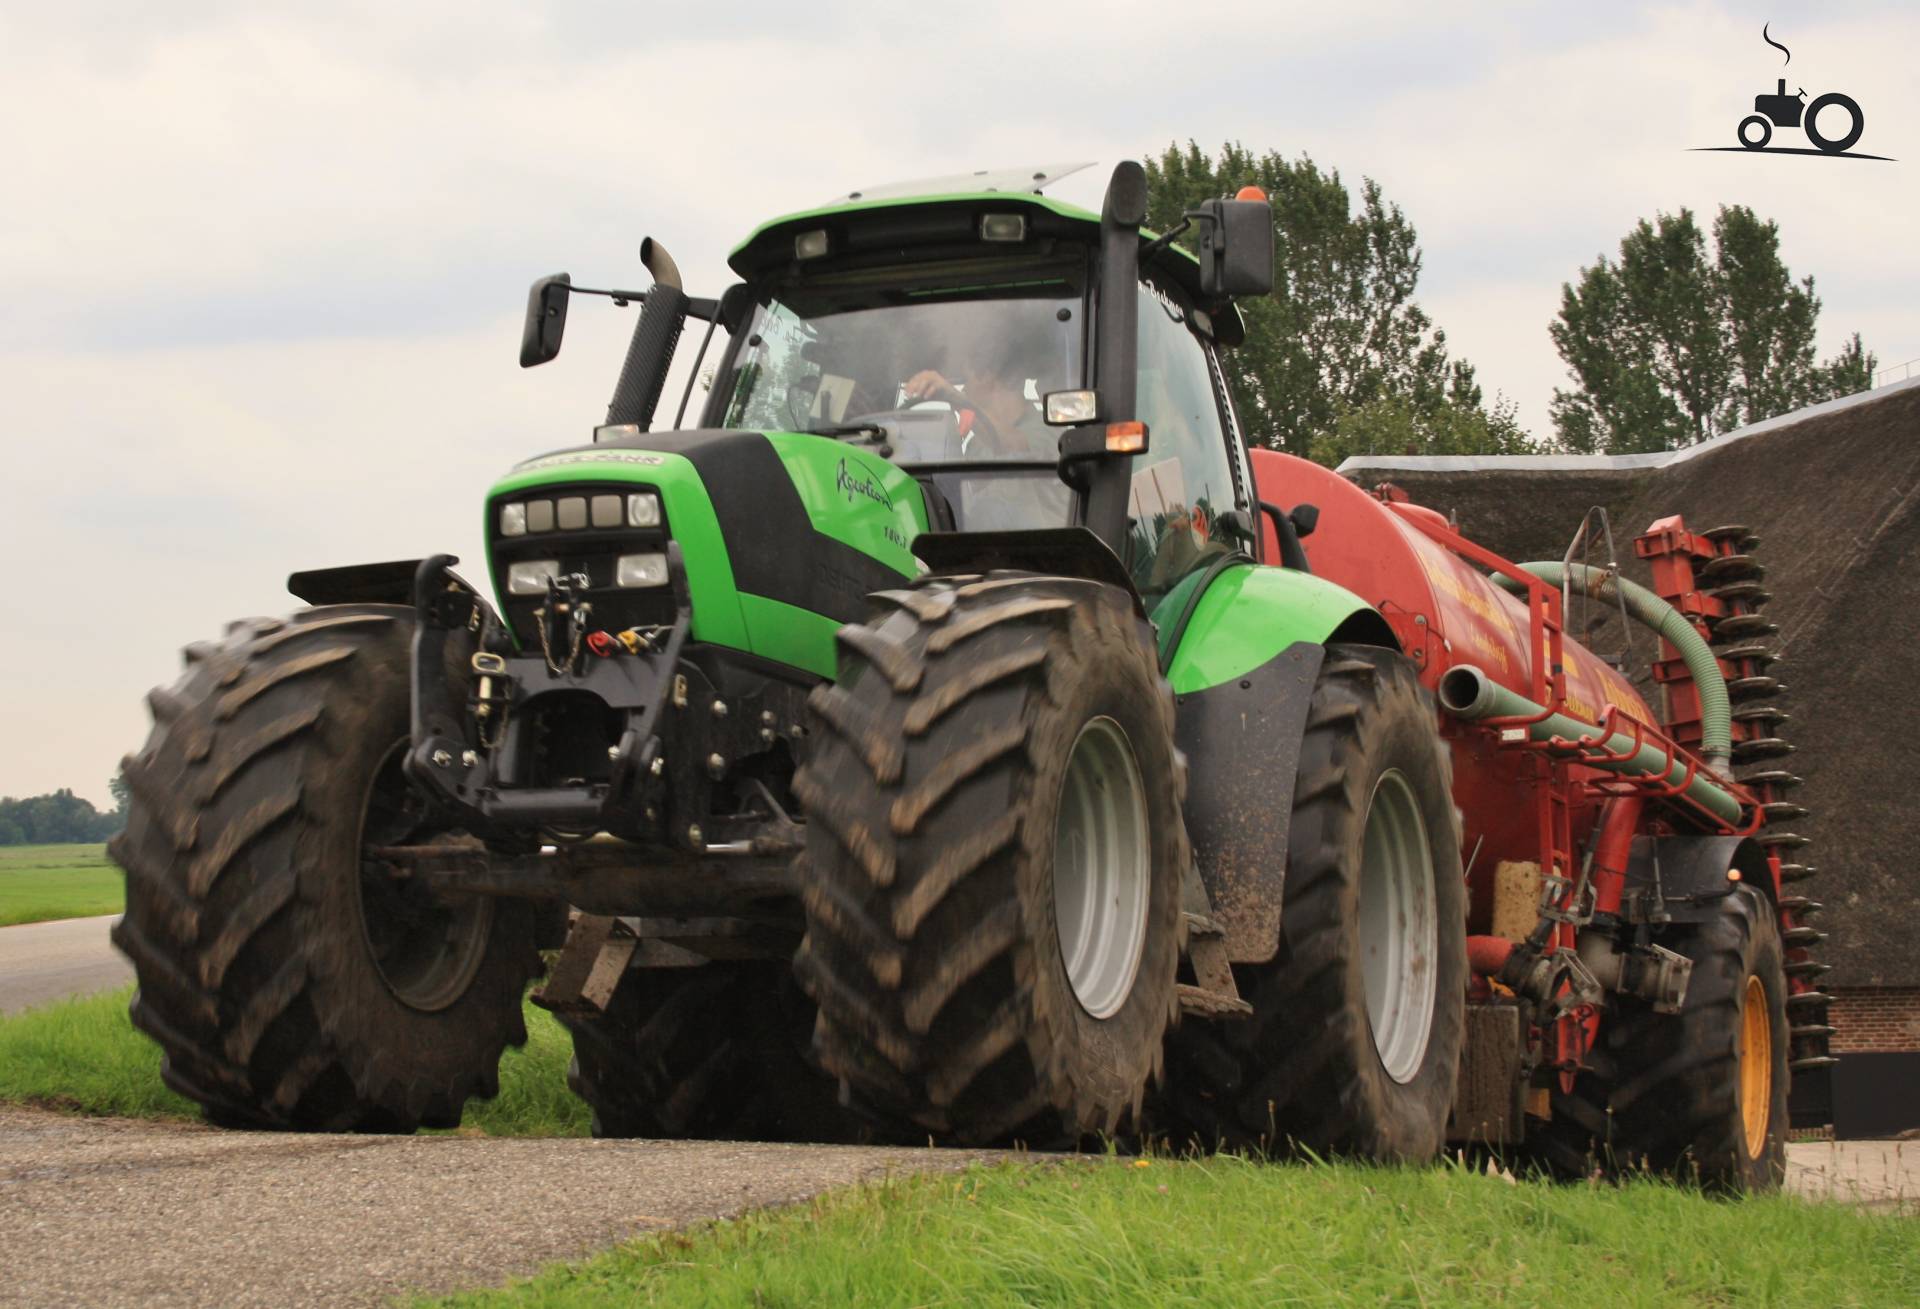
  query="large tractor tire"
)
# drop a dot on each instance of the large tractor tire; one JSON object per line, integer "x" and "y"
{"x": 1701, "y": 1095}
{"x": 290, "y": 981}
{"x": 716, "y": 1052}
{"x": 1354, "y": 1042}
{"x": 995, "y": 846}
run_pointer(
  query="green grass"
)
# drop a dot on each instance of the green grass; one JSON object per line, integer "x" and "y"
{"x": 84, "y": 1056}
{"x": 1228, "y": 1232}
{"x": 39, "y": 883}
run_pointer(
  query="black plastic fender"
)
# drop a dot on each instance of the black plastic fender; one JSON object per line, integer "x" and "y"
{"x": 389, "y": 583}
{"x": 1690, "y": 873}
{"x": 1242, "y": 742}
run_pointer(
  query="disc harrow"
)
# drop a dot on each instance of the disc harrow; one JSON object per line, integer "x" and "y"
{"x": 1729, "y": 614}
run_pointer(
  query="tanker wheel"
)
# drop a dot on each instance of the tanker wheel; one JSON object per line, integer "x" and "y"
{"x": 1856, "y": 122}
{"x": 1701, "y": 1095}
{"x": 714, "y": 1052}
{"x": 995, "y": 848}
{"x": 290, "y": 981}
{"x": 1753, "y": 142}
{"x": 1354, "y": 1042}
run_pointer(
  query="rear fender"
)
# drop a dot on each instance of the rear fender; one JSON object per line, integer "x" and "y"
{"x": 1690, "y": 873}
{"x": 1243, "y": 674}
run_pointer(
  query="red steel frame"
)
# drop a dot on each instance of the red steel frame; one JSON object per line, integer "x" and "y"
{"x": 1627, "y": 805}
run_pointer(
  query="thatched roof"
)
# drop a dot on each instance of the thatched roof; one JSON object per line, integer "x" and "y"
{"x": 1834, "y": 493}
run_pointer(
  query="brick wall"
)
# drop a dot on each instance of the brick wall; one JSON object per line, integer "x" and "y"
{"x": 1874, "y": 1020}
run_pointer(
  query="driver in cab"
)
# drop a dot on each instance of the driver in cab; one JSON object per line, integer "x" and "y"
{"x": 985, "y": 386}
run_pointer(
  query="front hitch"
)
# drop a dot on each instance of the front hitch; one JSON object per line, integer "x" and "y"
{"x": 473, "y": 692}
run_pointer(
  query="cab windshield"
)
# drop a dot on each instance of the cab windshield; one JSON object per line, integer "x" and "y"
{"x": 941, "y": 374}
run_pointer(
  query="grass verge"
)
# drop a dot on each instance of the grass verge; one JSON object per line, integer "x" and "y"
{"x": 84, "y": 1056}
{"x": 1228, "y": 1232}
{"x": 41, "y": 883}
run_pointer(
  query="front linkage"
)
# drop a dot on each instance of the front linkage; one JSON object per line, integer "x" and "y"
{"x": 657, "y": 751}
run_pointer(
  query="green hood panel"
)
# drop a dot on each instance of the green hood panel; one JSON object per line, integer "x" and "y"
{"x": 710, "y": 585}
{"x": 855, "y": 497}
{"x": 784, "y": 534}
{"x": 1249, "y": 615}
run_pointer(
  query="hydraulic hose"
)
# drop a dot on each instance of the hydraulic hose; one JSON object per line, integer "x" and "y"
{"x": 1466, "y": 692}
{"x": 1716, "y": 714}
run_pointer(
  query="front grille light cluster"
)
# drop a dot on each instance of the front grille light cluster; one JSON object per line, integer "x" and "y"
{"x": 529, "y": 576}
{"x": 571, "y": 513}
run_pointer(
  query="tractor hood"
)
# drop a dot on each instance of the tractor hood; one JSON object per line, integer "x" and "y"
{"x": 783, "y": 534}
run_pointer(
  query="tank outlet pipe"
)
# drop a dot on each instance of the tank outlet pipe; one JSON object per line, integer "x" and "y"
{"x": 664, "y": 313}
{"x": 1716, "y": 714}
{"x": 1466, "y": 692}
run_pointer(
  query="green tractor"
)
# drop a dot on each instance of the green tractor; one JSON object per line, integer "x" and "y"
{"x": 904, "y": 749}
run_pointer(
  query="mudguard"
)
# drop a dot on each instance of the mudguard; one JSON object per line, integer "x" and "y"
{"x": 1685, "y": 877}
{"x": 1243, "y": 675}
{"x": 389, "y": 583}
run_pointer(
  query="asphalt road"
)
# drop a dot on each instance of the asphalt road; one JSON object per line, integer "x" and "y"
{"x": 107, "y": 1212}
{"x": 45, "y": 961}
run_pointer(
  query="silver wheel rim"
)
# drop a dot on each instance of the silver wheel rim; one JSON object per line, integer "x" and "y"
{"x": 1398, "y": 928}
{"x": 1101, "y": 869}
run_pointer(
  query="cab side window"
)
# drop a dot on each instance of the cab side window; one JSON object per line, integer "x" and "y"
{"x": 1184, "y": 482}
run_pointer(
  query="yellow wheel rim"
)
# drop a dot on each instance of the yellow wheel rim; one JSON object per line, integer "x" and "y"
{"x": 1756, "y": 1067}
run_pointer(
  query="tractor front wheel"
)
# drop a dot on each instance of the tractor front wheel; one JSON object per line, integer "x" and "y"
{"x": 289, "y": 977}
{"x": 994, "y": 855}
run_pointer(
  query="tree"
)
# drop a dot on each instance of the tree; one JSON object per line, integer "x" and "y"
{"x": 1672, "y": 345}
{"x": 1340, "y": 345}
{"x": 57, "y": 818}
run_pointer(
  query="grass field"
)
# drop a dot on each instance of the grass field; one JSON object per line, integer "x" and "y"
{"x": 84, "y": 1056}
{"x": 1228, "y": 1232}
{"x": 39, "y": 883}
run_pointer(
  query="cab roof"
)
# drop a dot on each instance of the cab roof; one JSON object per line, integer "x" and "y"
{"x": 898, "y": 218}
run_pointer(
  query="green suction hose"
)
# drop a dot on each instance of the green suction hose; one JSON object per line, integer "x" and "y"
{"x": 1716, "y": 714}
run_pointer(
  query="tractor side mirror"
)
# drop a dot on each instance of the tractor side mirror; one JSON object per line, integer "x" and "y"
{"x": 1236, "y": 247}
{"x": 546, "y": 319}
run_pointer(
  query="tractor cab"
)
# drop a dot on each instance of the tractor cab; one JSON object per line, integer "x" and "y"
{"x": 959, "y": 335}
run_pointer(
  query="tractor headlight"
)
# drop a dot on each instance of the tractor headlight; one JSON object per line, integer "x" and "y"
{"x": 641, "y": 570}
{"x": 530, "y": 578}
{"x": 513, "y": 520}
{"x": 643, "y": 510}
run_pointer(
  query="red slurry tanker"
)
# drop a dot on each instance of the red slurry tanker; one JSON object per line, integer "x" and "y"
{"x": 1634, "y": 944}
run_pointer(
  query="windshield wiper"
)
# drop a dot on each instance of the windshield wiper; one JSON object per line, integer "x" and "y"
{"x": 874, "y": 430}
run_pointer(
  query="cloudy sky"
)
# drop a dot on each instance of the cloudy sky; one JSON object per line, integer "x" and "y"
{"x": 263, "y": 265}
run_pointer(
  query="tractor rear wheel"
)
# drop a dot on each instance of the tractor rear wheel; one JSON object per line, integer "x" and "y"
{"x": 289, "y": 979}
{"x": 715, "y": 1052}
{"x": 1700, "y": 1095}
{"x": 1354, "y": 1042}
{"x": 995, "y": 850}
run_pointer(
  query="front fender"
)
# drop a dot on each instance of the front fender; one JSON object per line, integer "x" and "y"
{"x": 1249, "y": 614}
{"x": 1243, "y": 669}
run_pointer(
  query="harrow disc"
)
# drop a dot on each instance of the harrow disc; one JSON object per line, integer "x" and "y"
{"x": 1764, "y": 747}
{"x": 1731, "y": 568}
{"x": 1735, "y": 627}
